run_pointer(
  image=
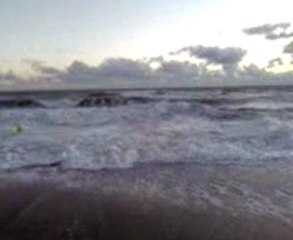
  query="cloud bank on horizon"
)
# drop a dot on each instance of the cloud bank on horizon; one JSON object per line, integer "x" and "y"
{"x": 204, "y": 64}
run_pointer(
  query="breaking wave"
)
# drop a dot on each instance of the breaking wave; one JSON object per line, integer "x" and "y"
{"x": 209, "y": 127}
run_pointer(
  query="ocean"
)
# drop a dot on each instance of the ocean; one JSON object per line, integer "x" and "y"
{"x": 241, "y": 127}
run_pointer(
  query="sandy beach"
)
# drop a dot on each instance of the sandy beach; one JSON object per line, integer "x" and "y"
{"x": 147, "y": 202}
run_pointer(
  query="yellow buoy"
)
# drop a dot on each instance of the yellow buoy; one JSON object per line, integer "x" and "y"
{"x": 17, "y": 128}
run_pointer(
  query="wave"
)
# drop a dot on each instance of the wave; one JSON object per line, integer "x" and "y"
{"x": 185, "y": 131}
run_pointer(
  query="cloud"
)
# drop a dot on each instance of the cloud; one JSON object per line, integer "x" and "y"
{"x": 43, "y": 74}
{"x": 253, "y": 75}
{"x": 266, "y": 28}
{"x": 275, "y": 62}
{"x": 228, "y": 58}
{"x": 78, "y": 72}
{"x": 111, "y": 71}
{"x": 8, "y": 76}
{"x": 275, "y": 36}
{"x": 157, "y": 59}
{"x": 124, "y": 68}
{"x": 176, "y": 69}
{"x": 220, "y": 66}
{"x": 32, "y": 62}
{"x": 128, "y": 70}
{"x": 215, "y": 55}
{"x": 47, "y": 70}
{"x": 271, "y": 31}
{"x": 253, "y": 71}
{"x": 41, "y": 67}
{"x": 78, "y": 68}
{"x": 288, "y": 48}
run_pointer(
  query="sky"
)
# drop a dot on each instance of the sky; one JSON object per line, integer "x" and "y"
{"x": 191, "y": 39}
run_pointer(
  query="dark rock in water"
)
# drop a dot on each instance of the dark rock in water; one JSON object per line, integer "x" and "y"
{"x": 19, "y": 103}
{"x": 141, "y": 100}
{"x": 160, "y": 92}
{"x": 102, "y": 99}
{"x": 84, "y": 102}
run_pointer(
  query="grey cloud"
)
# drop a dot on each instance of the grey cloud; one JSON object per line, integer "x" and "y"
{"x": 228, "y": 57}
{"x": 32, "y": 62}
{"x": 124, "y": 68}
{"x": 158, "y": 59}
{"x": 216, "y": 55}
{"x": 275, "y": 36}
{"x": 288, "y": 48}
{"x": 78, "y": 71}
{"x": 127, "y": 69}
{"x": 269, "y": 31}
{"x": 266, "y": 28}
{"x": 253, "y": 72}
{"x": 275, "y": 62}
{"x": 80, "y": 68}
{"x": 41, "y": 67}
{"x": 254, "y": 75}
{"x": 177, "y": 69}
{"x": 48, "y": 70}
{"x": 120, "y": 72}
{"x": 117, "y": 70}
{"x": 9, "y": 76}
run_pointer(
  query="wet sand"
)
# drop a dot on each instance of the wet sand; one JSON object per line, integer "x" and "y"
{"x": 147, "y": 202}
